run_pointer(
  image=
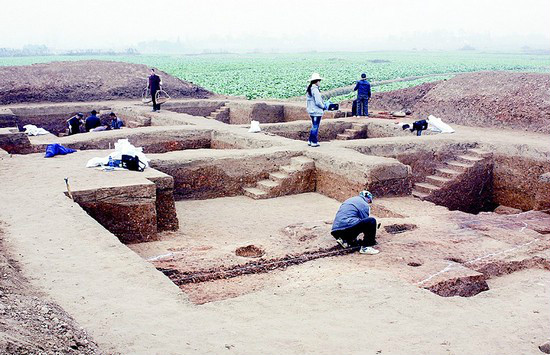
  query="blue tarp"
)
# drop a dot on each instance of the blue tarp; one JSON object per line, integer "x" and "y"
{"x": 57, "y": 149}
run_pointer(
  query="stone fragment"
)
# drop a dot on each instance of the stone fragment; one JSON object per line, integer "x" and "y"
{"x": 545, "y": 348}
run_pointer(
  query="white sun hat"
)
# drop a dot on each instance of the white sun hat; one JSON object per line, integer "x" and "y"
{"x": 315, "y": 76}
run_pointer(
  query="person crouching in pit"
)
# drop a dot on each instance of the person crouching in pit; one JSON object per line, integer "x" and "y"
{"x": 352, "y": 219}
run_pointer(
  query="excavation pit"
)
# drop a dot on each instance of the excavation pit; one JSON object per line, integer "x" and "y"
{"x": 53, "y": 118}
{"x": 249, "y": 251}
{"x": 186, "y": 217}
{"x": 399, "y": 228}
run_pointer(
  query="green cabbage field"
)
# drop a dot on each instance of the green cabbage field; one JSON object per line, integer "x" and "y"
{"x": 285, "y": 75}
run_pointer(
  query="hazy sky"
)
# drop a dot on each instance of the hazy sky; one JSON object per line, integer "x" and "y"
{"x": 65, "y": 24}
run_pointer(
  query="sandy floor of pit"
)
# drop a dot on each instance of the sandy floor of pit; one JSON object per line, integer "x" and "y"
{"x": 327, "y": 306}
{"x": 217, "y": 227}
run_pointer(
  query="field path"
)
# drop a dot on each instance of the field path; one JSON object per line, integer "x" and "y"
{"x": 347, "y": 89}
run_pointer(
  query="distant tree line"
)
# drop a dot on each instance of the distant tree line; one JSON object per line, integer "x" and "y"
{"x": 42, "y": 50}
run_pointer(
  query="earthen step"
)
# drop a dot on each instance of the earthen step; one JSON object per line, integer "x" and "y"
{"x": 343, "y": 136}
{"x": 458, "y": 165}
{"x": 437, "y": 180}
{"x": 302, "y": 162}
{"x": 288, "y": 169}
{"x": 468, "y": 159}
{"x": 419, "y": 194}
{"x": 267, "y": 185}
{"x": 218, "y": 111}
{"x": 351, "y": 131}
{"x": 479, "y": 152}
{"x": 255, "y": 193}
{"x": 278, "y": 176}
{"x": 447, "y": 173}
{"x": 358, "y": 126}
{"x": 425, "y": 187}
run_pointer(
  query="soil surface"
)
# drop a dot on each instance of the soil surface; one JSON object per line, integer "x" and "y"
{"x": 129, "y": 307}
{"x": 486, "y": 99}
{"x": 29, "y": 323}
{"x": 90, "y": 80}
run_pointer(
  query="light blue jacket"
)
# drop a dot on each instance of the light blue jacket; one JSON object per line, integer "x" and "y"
{"x": 351, "y": 212}
{"x": 315, "y": 104}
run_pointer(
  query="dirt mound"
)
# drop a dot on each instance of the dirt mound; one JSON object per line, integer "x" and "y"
{"x": 90, "y": 80}
{"x": 489, "y": 99}
{"x": 29, "y": 324}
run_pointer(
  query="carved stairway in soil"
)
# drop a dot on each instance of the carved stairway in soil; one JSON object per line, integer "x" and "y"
{"x": 357, "y": 131}
{"x": 298, "y": 177}
{"x": 220, "y": 114}
{"x": 451, "y": 172}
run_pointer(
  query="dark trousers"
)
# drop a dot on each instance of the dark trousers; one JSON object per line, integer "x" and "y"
{"x": 419, "y": 126}
{"x": 367, "y": 226}
{"x": 74, "y": 129}
{"x": 362, "y": 106}
{"x": 314, "y": 132}
{"x": 154, "y": 97}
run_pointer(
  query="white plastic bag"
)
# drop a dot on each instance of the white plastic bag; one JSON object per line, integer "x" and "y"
{"x": 437, "y": 125}
{"x": 122, "y": 147}
{"x": 254, "y": 127}
{"x": 32, "y": 130}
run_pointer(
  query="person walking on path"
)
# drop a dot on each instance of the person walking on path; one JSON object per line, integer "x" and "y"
{"x": 315, "y": 108}
{"x": 92, "y": 121}
{"x": 363, "y": 95}
{"x": 352, "y": 219}
{"x": 154, "y": 86}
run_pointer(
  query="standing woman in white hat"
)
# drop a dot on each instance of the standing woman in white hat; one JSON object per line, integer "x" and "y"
{"x": 315, "y": 108}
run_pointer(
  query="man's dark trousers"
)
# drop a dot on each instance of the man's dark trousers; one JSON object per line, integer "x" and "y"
{"x": 154, "y": 97}
{"x": 367, "y": 226}
{"x": 362, "y": 106}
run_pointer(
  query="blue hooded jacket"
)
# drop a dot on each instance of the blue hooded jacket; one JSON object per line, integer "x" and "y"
{"x": 351, "y": 212}
{"x": 363, "y": 88}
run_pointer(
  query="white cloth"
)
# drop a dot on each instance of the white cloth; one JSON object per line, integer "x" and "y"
{"x": 32, "y": 130}
{"x": 122, "y": 147}
{"x": 254, "y": 127}
{"x": 436, "y": 125}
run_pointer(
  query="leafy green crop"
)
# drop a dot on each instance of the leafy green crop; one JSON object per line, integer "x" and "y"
{"x": 285, "y": 75}
{"x": 392, "y": 87}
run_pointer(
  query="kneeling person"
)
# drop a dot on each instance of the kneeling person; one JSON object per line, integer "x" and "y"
{"x": 353, "y": 219}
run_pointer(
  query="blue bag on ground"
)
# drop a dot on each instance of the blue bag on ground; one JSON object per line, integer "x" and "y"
{"x": 57, "y": 149}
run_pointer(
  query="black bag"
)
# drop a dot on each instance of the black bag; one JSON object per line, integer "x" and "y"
{"x": 354, "y": 108}
{"x": 132, "y": 163}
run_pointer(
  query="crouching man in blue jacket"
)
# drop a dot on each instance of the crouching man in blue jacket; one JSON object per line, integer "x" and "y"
{"x": 353, "y": 219}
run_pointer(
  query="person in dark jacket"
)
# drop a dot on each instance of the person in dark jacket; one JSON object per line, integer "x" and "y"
{"x": 363, "y": 95}
{"x": 92, "y": 121}
{"x": 74, "y": 123}
{"x": 154, "y": 85}
{"x": 116, "y": 122}
{"x": 352, "y": 219}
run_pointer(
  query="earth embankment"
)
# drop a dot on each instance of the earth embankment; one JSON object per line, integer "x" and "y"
{"x": 91, "y": 80}
{"x": 484, "y": 99}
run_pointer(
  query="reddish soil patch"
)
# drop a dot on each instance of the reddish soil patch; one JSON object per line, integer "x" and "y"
{"x": 90, "y": 80}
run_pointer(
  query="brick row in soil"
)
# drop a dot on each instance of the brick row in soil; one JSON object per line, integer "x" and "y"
{"x": 253, "y": 267}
